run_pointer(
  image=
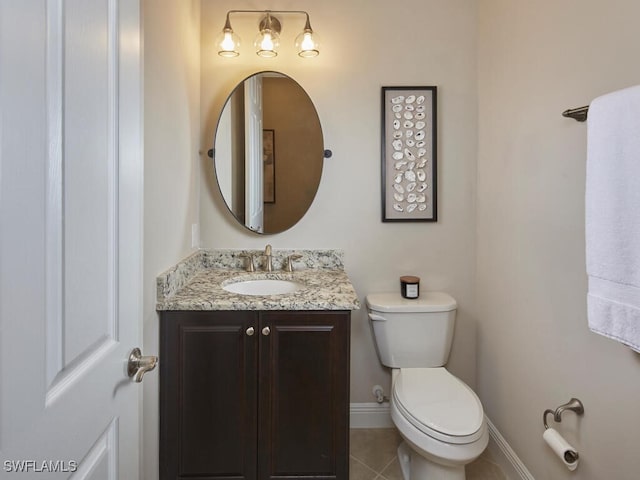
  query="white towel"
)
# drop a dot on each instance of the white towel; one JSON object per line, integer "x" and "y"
{"x": 613, "y": 216}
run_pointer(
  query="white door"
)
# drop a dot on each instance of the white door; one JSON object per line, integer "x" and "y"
{"x": 70, "y": 239}
{"x": 253, "y": 151}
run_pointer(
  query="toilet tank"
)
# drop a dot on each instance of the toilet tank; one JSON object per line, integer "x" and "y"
{"x": 412, "y": 332}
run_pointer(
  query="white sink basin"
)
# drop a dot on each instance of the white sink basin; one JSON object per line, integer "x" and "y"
{"x": 267, "y": 286}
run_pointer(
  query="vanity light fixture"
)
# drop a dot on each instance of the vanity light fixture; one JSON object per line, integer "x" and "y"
{"x": 268, "y": 38}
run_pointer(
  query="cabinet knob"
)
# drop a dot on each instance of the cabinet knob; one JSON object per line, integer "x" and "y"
{"x": 266, "y": 331}
{"x": 250, "y": 331}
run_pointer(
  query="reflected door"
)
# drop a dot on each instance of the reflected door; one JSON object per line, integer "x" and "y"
{"x": 254, "y": 187}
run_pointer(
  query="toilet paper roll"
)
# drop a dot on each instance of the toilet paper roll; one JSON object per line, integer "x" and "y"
{"x": 561, "y": 448}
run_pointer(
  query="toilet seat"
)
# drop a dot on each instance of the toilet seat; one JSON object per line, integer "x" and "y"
{"x": 439, "y": 404}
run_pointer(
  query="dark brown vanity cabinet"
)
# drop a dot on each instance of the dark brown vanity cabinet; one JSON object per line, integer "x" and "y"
{"x": 254, "y": 395}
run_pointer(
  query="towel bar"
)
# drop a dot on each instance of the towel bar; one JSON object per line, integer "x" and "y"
{"x": 578, "y": 114}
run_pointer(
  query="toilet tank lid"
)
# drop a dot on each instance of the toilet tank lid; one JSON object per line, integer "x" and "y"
{"x": 426, "y": 302}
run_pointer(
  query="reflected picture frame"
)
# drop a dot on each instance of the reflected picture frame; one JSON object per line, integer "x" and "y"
{"x": 269, "y": 165}
{"x": 409, "y": 154}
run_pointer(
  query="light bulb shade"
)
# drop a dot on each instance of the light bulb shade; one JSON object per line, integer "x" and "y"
{"x": 228, "y": 43}
{"x": 307, "y": 44}
{"x": 267, "y": 43}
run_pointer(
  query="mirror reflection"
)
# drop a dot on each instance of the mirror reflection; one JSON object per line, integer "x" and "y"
{"x": 268, "y": 152}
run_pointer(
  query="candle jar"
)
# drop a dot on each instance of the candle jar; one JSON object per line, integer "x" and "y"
{"x": 410, "y": 286}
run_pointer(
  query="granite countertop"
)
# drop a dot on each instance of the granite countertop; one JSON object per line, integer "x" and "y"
{"x": 196, "y": 283}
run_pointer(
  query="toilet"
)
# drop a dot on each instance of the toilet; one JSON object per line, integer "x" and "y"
{"x": 439, "y": 417}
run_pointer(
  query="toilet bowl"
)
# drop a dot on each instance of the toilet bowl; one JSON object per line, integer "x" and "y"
{"x": 439, "y": 417}
{"x": 442, "y": 421}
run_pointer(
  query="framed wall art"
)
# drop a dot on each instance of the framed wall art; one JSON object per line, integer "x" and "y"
{"x": 409, "y": 174}
{"x": 269, "y": 164}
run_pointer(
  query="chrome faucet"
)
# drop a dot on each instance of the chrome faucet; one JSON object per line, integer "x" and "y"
{"x": 268, "y": 266}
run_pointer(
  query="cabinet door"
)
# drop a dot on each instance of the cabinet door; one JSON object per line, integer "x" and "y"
{"x": 208, "y": 378}
{"x": 304, "y": 395}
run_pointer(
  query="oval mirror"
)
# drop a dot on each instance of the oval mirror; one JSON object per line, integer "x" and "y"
{"x": 268, "y": 152}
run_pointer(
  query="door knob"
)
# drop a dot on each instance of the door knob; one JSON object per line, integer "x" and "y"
{"x": 266, "y": 331}
{"x": 138, "y": 364}
{"x": 250, "y": 331}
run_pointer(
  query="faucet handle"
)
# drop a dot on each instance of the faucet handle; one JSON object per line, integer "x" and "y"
{"x": 267, "y": 250}
{"x": 289, "y": 264}
{"x": 250, "y": 266}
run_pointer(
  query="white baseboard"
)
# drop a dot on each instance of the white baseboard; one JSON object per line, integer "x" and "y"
{"x": 370, "y": 415}
{"x": 376, "y": 415}
{"x": 506, "y": 457}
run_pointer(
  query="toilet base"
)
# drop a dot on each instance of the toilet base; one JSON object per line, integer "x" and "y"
{"x": 416, "y": 467}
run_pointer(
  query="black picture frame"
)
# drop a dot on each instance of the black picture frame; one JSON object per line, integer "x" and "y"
{"x": 269, "y": 165}
{"x": 409, "y": 154}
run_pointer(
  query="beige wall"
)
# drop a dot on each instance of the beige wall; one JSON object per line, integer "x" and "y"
{"x": 366, "y": 45}
{"x": 171, "y": 132}
{"x": 535, "y": 351}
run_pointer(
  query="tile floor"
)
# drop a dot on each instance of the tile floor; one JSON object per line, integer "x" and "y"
{"x": 373, "y": 456}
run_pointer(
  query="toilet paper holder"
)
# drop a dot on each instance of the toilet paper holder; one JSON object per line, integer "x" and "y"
{"x": 558, "y": 444}
{"x": 574, "y": 404}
